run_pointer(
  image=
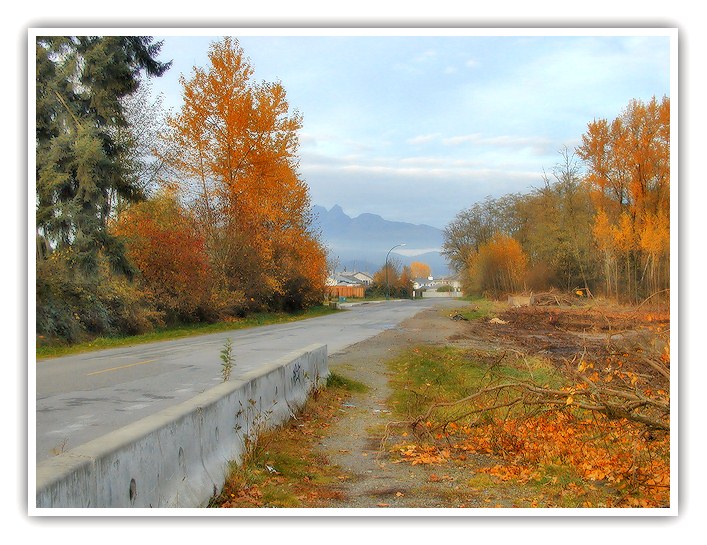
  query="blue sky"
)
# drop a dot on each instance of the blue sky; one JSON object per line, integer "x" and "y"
{"x": 419, "y": 127}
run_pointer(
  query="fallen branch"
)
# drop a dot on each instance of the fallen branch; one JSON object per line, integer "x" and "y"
{"x": 612, "y": 402}
{"x": 651, "y": 297}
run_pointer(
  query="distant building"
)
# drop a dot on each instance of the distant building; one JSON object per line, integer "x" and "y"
{"x": 423, "y": 283}
{"x": 350, "y": 279}
{"x": 428, "y": 286}
{"x": 364, "y": 278}
{"x": 452, "y": 281}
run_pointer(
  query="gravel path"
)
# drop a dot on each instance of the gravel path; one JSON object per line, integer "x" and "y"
{"x": 353, "y": 443}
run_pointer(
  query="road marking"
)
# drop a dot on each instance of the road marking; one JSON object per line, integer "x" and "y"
{"x": 121, "y": 367}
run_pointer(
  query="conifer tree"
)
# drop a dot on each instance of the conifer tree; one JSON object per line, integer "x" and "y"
{"x": 80, "y": 83}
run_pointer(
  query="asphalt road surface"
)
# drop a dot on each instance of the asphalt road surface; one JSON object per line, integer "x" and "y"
{"x": 82, "y": 397}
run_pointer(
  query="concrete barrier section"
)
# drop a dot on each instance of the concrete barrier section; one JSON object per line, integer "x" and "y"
{"x": 179, "y": 457}
{"x": 429, "y": 294}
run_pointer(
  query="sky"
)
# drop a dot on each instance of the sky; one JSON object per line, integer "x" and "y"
{"x": 418, "y": 125}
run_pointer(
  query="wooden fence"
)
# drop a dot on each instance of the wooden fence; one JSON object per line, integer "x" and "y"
{"x": 346, "y": 291}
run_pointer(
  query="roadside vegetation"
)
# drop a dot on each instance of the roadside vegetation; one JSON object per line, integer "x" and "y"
{"x": 459, "y": 403}
{"x": 148, "y": 220}
{"x": 54, "y": 348}
{"x": 572, "y": 402}
{"x": 281, "y": 467}
{"x": 599, "y": 223}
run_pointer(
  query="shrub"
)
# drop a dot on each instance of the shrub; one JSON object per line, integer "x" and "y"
{"x": 71, "y": 306}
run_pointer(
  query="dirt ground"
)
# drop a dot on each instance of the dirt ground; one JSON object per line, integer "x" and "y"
{"x": 354, "y": 442}
{"x": 371, "y": 479}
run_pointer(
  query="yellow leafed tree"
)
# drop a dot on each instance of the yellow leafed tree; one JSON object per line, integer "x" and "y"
{"x": 628, "y": 162}
{"x": 420, "y": 270}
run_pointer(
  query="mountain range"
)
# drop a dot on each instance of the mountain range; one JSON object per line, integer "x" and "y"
{"x": 362, "y": 243}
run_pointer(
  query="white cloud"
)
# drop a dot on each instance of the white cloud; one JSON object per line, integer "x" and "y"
{"x": 424, "y": 138}
{"x": 433, "y": 197}
{"x": 537, "y": 143}
{"x": 425, "y": 56}
{"x": 412, "y": 252}
{"x": 461, "y": 139}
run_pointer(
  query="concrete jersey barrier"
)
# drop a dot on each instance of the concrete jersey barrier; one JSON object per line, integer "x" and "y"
{"x": 179, "y": 457}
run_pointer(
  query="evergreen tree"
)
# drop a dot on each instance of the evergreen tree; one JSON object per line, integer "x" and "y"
{"x": 80, "y": 83}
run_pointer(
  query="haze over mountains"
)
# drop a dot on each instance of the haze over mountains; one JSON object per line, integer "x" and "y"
{"x": 362, "y": 243}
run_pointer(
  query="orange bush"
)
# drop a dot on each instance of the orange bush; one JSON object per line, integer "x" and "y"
{"x": 162, "y": 243}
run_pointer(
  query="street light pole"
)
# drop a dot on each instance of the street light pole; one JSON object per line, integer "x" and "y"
{"x": 387, "y": 286}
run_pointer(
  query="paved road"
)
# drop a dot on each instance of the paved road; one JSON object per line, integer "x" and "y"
{"x": 80, "y": 398}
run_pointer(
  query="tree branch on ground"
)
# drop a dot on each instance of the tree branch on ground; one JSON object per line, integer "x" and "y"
{"x": 614, "y": 392}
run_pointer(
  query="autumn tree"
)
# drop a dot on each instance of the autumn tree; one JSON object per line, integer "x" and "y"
{"x": 628, "y": 175}
{"x": 392, "y": 279}
{"x": 498, "y": 267}
{"x": 556, "y": 229}
{"x": 388, "y": 274}
{"x": 405, "y": 281}
{"x": 420, "y": 270}
{"x": 238, "y": 170}
{"x": 475, "y": 226}
{"x": 162, "y": 242}
{"x": 301, "y": 268}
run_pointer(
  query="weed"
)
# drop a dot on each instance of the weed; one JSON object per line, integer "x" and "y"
{"x": 227, "y": 360}
{"x": 479, "y": 309}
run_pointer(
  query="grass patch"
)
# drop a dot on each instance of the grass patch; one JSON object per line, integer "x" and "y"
{"x": 425, "y": 375}
{"x": 281, "y": 468}
{"x": 480, "y": 309}
{"x": 340, "y": 382}
{"x": 51, "y": 350}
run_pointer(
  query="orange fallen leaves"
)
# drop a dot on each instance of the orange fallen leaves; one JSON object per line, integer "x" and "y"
{"x": 251, "y": 496}
{"x": 424, "y": 454}
{"x": 613, "y": 452}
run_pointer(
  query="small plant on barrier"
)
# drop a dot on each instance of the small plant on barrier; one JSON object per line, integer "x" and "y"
{"x": 256, "y": 422}
{"x": 227, "y": 360}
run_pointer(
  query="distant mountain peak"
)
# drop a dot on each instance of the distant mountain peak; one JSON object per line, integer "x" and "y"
{"x": 368, "y": 237}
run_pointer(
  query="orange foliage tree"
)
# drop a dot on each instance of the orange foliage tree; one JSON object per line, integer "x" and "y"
{"x": 498, "y": 267}
{"x": 628, "y": 162}
{"x": 238, "y": 169}
{"x": 301, "y": 269}
{"x": 393, "y": 279}
{"x": 163, "y": 244}
{"x": 420, "y": 270}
